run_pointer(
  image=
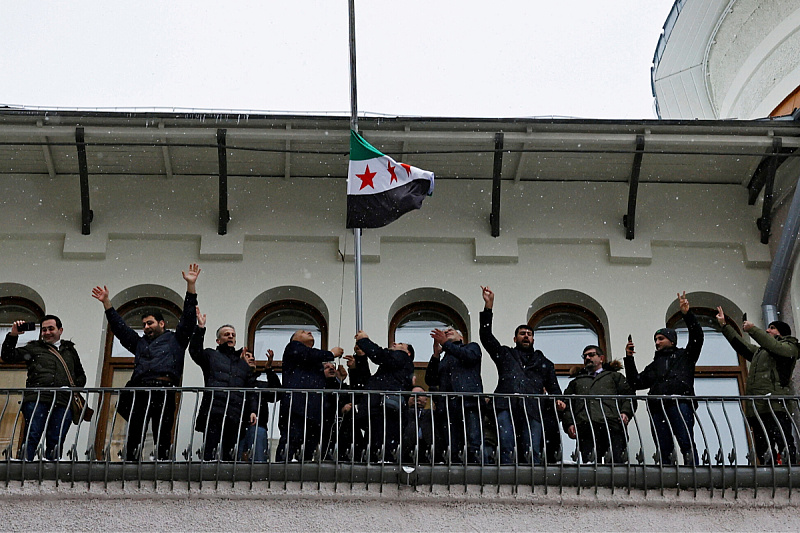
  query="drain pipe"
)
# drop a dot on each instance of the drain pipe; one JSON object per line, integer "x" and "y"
{"x": 780, "y": 264}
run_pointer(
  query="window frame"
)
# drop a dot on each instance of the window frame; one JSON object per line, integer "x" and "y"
{"x": 563, "y": 369}
{"x": 281, "y": 305}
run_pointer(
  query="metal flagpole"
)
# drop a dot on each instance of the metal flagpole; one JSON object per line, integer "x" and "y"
{"x": 354, "y": 127}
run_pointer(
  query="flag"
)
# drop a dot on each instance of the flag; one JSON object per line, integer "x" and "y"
{"x": 380, "y": 190}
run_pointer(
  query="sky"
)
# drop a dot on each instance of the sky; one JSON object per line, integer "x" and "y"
{"x": 437, "y": 58}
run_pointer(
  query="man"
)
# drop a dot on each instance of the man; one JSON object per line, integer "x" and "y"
{"x": 353, "y": 434}
{"x": 459, "y": 370}
{"x": 772, "y": 363}
{"x": 598, "y": 424}
{"x": 301, "y": 413}
{"x": 424, "y": 430}
{"x": 521, "y": 370}
{"x": 254, "y": 446}
{"x": 224, "y": 415}
{"x": 158, "y": 365}
{"x": 395, "y": 373}
{"x": 45, "y": 412}
{"x": 670, "y": 374}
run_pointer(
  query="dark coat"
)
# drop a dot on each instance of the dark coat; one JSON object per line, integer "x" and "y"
{"x": 519, "y": 371}
{"x": 163, "y": 356}
{"x": 302, "y": 369}
{"x": 44, "y": 368}
{"x": 223, "y": 368}
{"x": 610, "y": 382}
{"x": 395, "y": 372}
{"x": 458, "y": 370}
{"x": 672, "y": 369}
{"x": 264, "y": 398}
{"x": 428, "y": 427}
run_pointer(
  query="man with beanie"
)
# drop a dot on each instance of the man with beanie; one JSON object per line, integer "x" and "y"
{"x": 771, "y": 366}
{"x": 671, "y": 374}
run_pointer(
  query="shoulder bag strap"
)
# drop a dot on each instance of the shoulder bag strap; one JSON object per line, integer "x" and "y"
{"x": 66, "y": 368}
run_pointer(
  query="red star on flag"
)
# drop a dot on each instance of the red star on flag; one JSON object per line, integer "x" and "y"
{"x": 366, "y": 178}
{"x": 390, "y": 168}
{"x": 407, "y": 167}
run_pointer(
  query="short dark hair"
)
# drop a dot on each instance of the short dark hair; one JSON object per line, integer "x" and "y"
{"x": 522, "y": 326}
{"x": 783, "y": 328}
{"x": 594, "y": 347}
{"x": 45, "y": 318}
{"x": 410, "y": 350}
{"x": 155, "y": 314}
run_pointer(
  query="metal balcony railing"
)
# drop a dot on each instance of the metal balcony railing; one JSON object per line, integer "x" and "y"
{"x": 196, "y": 436}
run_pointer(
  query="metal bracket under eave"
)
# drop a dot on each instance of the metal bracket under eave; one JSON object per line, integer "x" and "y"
{"x": 494, "y": 217}
{"x": 764, "y": 223}
{"x": 222, "y": 152}
{"x": 83, "y": 170}
{"x": 629, "y": 220}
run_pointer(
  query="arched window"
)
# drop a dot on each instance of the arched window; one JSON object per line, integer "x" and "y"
{"x": 413, "y": 323}
{"x": 562, "y": 330}
{"x": 272, "y": 326}
{"x": 118, "y": 368}
{"x": 718, "y": 361}
{"x": 12, "y": 375}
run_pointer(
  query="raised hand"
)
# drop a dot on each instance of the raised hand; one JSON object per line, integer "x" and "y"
{"x": 101, "y": 294}
{"x": 683, "y": 302}
{"x": 488, "y": 297}
{"x": 629, "y": 349}
{"x": 337, "y": 352}
{"x": 201, "y": 318}
{"x": 720, "y": 315}
{"x": 191, "y": 277}
{"x": 270, "y": 357}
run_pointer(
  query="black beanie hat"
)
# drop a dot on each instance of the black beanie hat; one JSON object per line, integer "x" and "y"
{"x": 669, "y": 333}
{"x": 782, "y": 327}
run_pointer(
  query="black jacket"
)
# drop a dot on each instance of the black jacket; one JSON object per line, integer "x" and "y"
{"x": 223, "y": 368}
{"x": 672, "y": 369}
{"x": 44, "y": 368}
{"x": 519, "y": 371}
{"x": 395, "y": 367}
{"x": 162, "y": 356}
{"x": 302, "y": 369}
{"x": 458, "y": 370}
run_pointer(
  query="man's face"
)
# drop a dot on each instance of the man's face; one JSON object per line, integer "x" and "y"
{"x": 662, "y": 342}
{"x": 421, "y": 400}
{"x": 524, "y": 338}
{"x": 50, "y": 333}
{"x": 592, "y": 359}
{"x": 249, "y": 358}
{"x": 227, "y": 336}
{"x": 152, "y": 327}
{"x": 304, "y": 337}
{"x": 329, "y": 369}
{"x": 453, "y": 335}
{"x": 771, "y": 330}
{"x": 401, "y": 346}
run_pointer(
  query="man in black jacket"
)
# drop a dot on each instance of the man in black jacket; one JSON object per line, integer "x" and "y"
{"x": 46, "y": 359}
{"x": 158, "y": 365}
{"x": 395, "y": 373}
{"x": 459, "y": 370}
{"x": 254, "y": 446}
{"x": 521, "y": 370}
{"x": 301, "y": 413}
{"x": 670, "y": 374}
{"x": 224, "y": 414}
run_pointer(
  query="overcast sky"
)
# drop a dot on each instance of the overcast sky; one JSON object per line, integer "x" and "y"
{"x": 465, "y": 58}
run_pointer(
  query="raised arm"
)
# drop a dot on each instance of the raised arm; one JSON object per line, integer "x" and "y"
{"x": 127, "y": 336}
{"x": 489, "y": 341}
{"x": 695, "y": 344}
{"x": 189, "y": 316}
{"x": 780, "y": 348}
{"x": 741, "y": 346}
{"x": 196, "y": 351}
{"x": 10, "y": 353}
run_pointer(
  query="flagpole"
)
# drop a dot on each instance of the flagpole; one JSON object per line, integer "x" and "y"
{"x": 354, "y": 127}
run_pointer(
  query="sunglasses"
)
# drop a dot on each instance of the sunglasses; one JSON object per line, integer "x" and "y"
{"x": 589, "y": 354}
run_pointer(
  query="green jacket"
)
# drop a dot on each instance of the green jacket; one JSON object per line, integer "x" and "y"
{"x": 44, "y": 368}
{"x": 774, "y": 359}
{"x": 610, "y": 382}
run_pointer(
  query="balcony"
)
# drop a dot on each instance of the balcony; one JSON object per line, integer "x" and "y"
{"x": 409, "y": 446}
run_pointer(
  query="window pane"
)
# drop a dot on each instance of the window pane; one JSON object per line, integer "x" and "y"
{"x": 416, "y": 329}
{"x": 276, "y": 329}
{"x": 562, "y": 337}
{"x": 716, "y": 350}
{"x": 727, "y": 416}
